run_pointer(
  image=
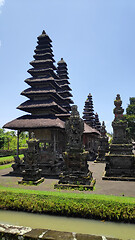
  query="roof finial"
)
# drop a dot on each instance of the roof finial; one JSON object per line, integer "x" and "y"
{"x": 43, "y": 32}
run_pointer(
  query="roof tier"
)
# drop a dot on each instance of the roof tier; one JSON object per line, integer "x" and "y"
{"x": 44, "y": 56}
{"x": 41, "y": 107}
{"x": 27, "y": 122}
{"x": 43, "y": 63}
{"x": 48, "y": 81}
{"x": 43, "y": 72}
{"x": 41, "y": 93}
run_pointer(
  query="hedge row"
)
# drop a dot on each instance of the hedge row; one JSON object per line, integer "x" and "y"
{"x": 9, "y": 159}
{"x": 73, "y": 207}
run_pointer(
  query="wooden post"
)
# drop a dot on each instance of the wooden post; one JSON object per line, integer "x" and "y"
{"x": 54, "y": 139}
{"x": 18, "y": 133}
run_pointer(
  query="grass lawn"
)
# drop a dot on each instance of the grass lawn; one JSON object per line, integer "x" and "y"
{"x": 81, "y": 195}
{"x": 5, "y": 166}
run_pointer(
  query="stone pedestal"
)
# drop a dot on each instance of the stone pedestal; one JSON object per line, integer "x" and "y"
{"x": 32, "y": 173}
{"x": 76, "y": 173}
{"x": 121, "y": 160}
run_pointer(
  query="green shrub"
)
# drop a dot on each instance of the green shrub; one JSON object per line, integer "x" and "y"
{"x": 68, "y": 206}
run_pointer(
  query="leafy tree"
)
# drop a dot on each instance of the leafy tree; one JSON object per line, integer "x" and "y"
{"x": 130, "y": 116}
{"x": 2, "y": 136}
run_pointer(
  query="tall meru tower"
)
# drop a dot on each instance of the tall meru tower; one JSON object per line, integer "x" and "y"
{"x": 48, "y": 96}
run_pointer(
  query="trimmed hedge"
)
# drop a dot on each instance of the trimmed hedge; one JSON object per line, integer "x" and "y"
{"x": 68, "y": 206}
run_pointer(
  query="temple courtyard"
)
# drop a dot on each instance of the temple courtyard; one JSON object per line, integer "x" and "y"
{"x": 107, "y": 187}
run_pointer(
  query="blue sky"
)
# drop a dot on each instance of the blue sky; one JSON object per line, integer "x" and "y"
{"x": 95, "y": 37}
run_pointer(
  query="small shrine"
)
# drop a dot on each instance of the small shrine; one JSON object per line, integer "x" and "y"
{"x": 31, "y": 173}
{"x": 76, "y": 173}
{"x": 121, "y": 160}
{"x": 103, "y": 144}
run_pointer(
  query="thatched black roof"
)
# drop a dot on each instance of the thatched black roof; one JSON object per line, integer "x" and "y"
{"x": 27, "y": 122}
{"x": 32, "y": 106}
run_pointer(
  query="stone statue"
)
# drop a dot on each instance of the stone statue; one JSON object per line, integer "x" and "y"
{"x": 74, "y": 128}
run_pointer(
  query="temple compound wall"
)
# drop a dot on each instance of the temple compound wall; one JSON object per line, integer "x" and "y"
{"x": 9, "y": 232}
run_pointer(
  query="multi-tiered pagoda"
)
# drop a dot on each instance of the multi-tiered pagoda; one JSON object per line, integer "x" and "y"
{"x": 97, "y": 123}
{"x": 90, "y": 139}
{"x": 65, "y": 90}
{"x": 88, "y": 113}
{"x": 46, "y": 97}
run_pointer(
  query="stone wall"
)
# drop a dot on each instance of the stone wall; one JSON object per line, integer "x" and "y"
{"x": 9, "y": 232}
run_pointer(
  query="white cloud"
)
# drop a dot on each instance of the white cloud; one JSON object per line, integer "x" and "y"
{"x": 2, "y": 2}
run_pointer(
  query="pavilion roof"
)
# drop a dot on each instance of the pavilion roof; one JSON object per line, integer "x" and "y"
{"x": 90, "y": 130}
{"x": 27, "y": 122}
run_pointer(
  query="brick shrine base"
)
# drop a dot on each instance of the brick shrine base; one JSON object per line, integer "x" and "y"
{"x": 117, "y": 188}
{"x": 8, "y": 232}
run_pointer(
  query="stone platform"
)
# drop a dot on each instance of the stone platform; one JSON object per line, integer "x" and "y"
{"x": 10, "y": 232}
{"x": 130, "y": 179}
{"x": 36, "y": 182}
{"x": 75, "y": 186}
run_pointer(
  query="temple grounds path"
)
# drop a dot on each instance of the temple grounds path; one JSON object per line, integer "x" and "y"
{"x": 117, "y": 188}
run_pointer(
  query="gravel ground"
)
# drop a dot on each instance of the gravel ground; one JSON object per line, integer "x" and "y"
{"x": 117, "y": 188}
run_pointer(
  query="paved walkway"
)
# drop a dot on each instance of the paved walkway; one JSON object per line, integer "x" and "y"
{"x": 118, "y": 188}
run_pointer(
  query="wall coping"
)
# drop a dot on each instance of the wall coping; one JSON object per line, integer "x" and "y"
{"x": 10, "y": 232}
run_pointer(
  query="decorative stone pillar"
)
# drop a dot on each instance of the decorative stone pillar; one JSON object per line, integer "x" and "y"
{"x": 120, "y": 161}
{"x": 32, "y": 173}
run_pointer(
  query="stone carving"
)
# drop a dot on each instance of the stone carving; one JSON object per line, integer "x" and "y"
{"x": 120, "y": 161}
{"x": 76, "y": 168}
{"x": 32, "y": 173}
{"x": 18, "y": 166}
{"x": 74, "y": 128}
{"x": 103, "y": 144}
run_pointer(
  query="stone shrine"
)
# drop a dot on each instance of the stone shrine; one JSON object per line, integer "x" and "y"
{"x": 31, "y": 173}
{"x": 76, "y": 172}
{"x": 120, "y": 161}
{"x": 103, "y": 144}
